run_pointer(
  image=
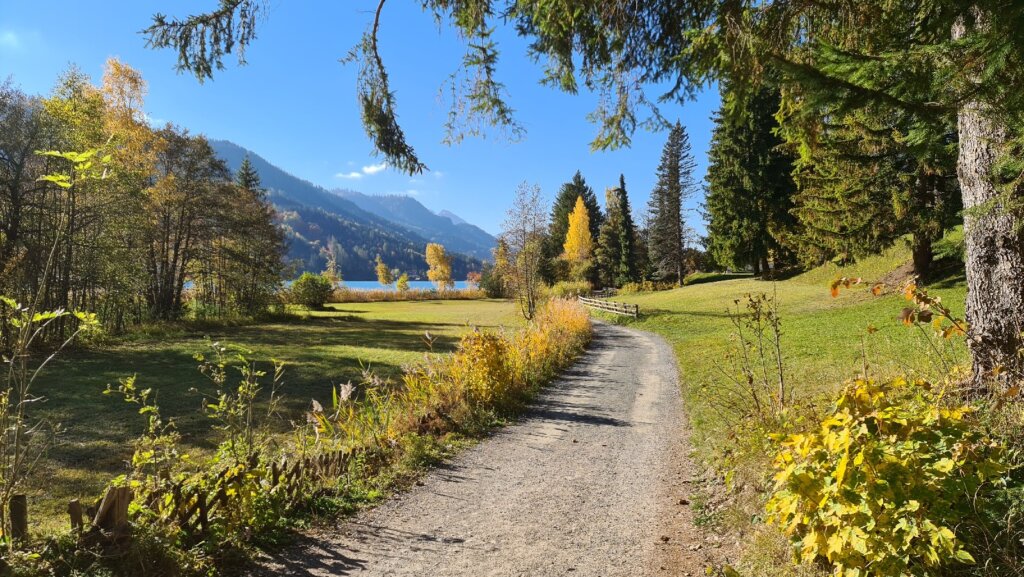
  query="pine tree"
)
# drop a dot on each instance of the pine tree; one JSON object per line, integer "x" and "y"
{"x": 749, "y": 187}
{"x": 564, "y": 204}
{"x": 667, "y": 228}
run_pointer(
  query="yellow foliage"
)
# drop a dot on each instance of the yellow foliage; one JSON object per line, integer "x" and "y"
{"x": 440, "y": 271}
{"x": 878, "y": 489}
{"x": 579, "y": 245}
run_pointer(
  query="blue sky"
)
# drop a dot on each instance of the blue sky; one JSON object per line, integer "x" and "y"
{"x": 295, "y": 105}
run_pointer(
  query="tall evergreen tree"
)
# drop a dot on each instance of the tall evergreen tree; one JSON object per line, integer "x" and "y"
{"x": 749, "y": 186}
{"x": 667, "y": 228}
{"x": 248, "y": 178}
{"x": 564, "y": 204}
{"x": 863, "y": 184}
{"x": 608, "y": 252}
{"x": 629, "y": 256}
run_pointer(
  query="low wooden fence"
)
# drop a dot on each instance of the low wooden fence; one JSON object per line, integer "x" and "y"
{"x": 193, "y": 503}
{"x": 611, "y": 306}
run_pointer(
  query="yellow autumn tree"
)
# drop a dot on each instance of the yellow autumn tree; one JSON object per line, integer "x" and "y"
{"x": 579, "y": 245}
{"x": 384, "y": 275}
{"x": 440, "y": 271}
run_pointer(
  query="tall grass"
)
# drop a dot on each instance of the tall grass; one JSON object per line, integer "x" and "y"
{"x": 347, "y": 295}
{"x": 391, "y": 429}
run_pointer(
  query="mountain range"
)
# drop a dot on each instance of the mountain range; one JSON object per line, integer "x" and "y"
{"x": 358, "y": 226}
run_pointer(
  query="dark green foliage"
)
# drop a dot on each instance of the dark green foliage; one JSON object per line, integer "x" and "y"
{"x": 863, "y": 185}
{"x": 667, "y": 233}
{"x": 749, "y": 187}
{"x": 629, "y": 255}
{"x": 491, "y": 281}
{"x": 616, "y": 250}
{"x": 311, "y": 290}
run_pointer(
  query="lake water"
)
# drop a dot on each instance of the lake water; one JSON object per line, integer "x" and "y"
{"x": 367, "y": 285}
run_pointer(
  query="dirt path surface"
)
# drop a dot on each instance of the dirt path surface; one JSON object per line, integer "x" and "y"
{"x": 594, "y": 480}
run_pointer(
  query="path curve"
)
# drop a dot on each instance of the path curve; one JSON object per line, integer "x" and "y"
{"x": 593, "y": 480}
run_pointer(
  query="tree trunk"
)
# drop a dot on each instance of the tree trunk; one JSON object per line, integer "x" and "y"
{"x": 995, "y": 247}
{"x": 922, "y": 253}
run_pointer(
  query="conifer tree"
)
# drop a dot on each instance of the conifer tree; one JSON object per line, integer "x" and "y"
{"x": 667, "y": 228}
{"x": 629, "y": 257}
{"x": 749, "y": 186}
{"x": 863, "y": 185}
{"x": 607, "y": 254}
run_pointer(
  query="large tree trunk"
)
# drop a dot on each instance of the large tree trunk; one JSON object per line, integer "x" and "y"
{"x": 995, "y": 246}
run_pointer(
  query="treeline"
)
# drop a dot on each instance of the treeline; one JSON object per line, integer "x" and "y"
{"x": 101, "y": 212}
{"x": 793, "y": 182}
{"x": 577, "y": 243}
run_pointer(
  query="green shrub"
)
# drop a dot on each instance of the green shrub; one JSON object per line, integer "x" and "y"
{"x": 567, "y": 289}
{"x": 311, "y": 290}
{"x": 880, "y": 489}
{"x": 645, "y": 287}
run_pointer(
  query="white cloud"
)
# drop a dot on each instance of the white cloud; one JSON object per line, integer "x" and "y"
{"x": 369, "y": 170}
{"x": 10, "y": 40}
{"x": 438, "y": 174}
{"x": 374, "y": 168}
{"x": 412, "y": 192}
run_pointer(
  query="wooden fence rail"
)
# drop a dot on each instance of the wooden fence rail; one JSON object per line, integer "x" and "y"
{"x": 612, "y": 306}
{"x": 191, "y": 505}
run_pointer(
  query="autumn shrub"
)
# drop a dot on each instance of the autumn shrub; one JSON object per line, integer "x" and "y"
{"x": 310, "y": 290}
{"x": 569, "y": 289}
{"x": 492, "y": 373}
{"x": 645, "y": 287}
{"x": 885, "y": 485}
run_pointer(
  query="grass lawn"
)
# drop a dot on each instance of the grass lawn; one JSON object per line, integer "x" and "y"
{"x": 825, "y": 340}
{"x": 324, "y": 349}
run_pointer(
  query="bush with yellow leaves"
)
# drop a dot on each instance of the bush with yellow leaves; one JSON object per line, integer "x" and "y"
{"x": 881, "y": 488}
{"x": 492, "y": 372}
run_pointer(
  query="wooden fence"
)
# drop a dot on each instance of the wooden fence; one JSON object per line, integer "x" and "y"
{"x": 612, "y": 306}
{"x": 193, "y": 503}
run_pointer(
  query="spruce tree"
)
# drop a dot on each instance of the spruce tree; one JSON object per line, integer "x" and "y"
{"x": 675, "y": 184}
{"x": 608, "y": 251}
{"x": 248, "y": 178}
{"x": 863, "y": 184}
{"x": 629, "y": 256}
{"x": 749, "y": 186}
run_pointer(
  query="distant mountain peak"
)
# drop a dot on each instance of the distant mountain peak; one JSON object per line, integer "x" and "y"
{"x": 456, "y": 219}
{"x": 358, "y": 227}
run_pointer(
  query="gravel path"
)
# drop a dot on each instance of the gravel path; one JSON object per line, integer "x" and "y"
{"x": 592, "y": 481}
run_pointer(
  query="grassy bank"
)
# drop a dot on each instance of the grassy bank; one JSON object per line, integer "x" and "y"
{"x": 320, "y": 350}
{"x": 825, "y": 342}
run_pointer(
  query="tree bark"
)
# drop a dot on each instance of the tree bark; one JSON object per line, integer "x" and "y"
{"x": 922, "y": 254}
{"x": 995, "y": 246}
